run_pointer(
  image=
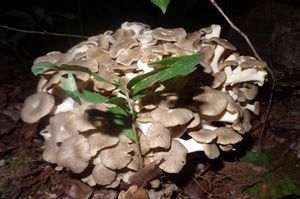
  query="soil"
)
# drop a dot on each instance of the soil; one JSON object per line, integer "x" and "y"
{"x": 274, "y": 28}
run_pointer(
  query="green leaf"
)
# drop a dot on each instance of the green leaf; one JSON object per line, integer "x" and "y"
{"x": 262, "y": 159}
{"x": 95, "y": 98}
{"x": 162, "y": 4}
{"x": 182, "y": 66}
{"x": 129, "y": 133}
{"x": 70, "y": 87}
{"x": 40, "y": 68}
{"x": 119, "y": 101}
{"x": 118, "y": 111}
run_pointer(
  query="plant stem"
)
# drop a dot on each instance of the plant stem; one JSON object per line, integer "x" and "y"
{"x": 136, "y": 136}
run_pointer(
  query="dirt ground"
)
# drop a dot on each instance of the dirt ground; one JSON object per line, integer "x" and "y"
{"x": 263, "y": 166}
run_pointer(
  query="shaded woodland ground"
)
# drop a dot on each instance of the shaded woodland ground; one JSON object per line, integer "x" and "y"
{"x": 273, "y": 26}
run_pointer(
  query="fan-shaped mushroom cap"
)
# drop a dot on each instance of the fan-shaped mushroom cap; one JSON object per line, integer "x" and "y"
{"x": 211, "y": 151}
{"x": 253, "y": 63}
{"x": 168, "y": 34}
{"x": 55, "y": 57}
{"x": 50, "y": 150}
{"x": 219, "y": 79}
{"x": 172, "y": 117}
{"x": 203, "y": 136}
{"x": 37, "y": 106}
{"x": 66, "y": 124}
{"x": 174, "y": 159}
{"x": 226, "y": 147}
{"x": 116, "y": 157}
{"x": 100, "y": 141}
{"x": 222, "y": 42}
{"x": 227, "y": 136}
{"x": 211, "y": 102}
{"x": 250, "y": 91}
{"x": 158, "y": 136}
{"x": 74, "y": 153}
{"x": 103, "y": 175}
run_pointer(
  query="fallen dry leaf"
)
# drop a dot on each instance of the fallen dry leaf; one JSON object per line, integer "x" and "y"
{"x": 146, "y": 174}
{"x": 134, "y": 192}
{"x": 79, "y": 190}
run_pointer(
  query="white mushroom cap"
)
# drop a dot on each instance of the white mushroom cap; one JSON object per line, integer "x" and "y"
{"x": 74, "y": 153}
{"x": 37, "y": 106}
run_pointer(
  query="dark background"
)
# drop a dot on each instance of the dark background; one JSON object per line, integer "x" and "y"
{"x": 93, "y": 17}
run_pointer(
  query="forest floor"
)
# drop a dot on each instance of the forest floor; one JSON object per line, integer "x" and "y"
{"x": 262, "y": 167}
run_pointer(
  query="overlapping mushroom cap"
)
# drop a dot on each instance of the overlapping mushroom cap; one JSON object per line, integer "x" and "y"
{"x": 89, "y": 144}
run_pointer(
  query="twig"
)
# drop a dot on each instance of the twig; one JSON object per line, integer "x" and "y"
{"x": 201, "y": 187}
{"x": 273, "y": 81}
{"x": 42, "y": 32}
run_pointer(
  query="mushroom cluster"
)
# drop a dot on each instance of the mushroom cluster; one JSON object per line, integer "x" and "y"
{"x": 208, "y": 111}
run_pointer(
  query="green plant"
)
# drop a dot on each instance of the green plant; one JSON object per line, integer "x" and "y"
{"x": 121, "y": 108}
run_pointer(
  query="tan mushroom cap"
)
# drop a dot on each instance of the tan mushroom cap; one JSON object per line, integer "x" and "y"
{"x": 211, "y": 102}
{"x": 50, "y": 150}
{"x": 121, "y": 46}
{"x": 55, "y": 57}
{"x": 222, "y": 42}
{"x": 195, "y": 122}
{"x": 74, "y": 153}
{"x": 116, "y": 157}
{"x": 226, "y": 63}
{"x": 204, "y": 135}
{"x": 250, "y": 63}
{"x": 211, "y": 151}
{"x": 37, "y": 106}
{"x": 250, "y": 91}
{"x": 227, "y": 136}
{"x": 99, "y": 141}
{"x": 103, "y": 175}
{"x": 143, "y": 144}
{"x": 172, "y": 117}
{"x": 158, "y": 136}
{"x": 168, "y": 34}
{"x": 226, "y": 147}
{"x": 66, "y": 124}
{"x": 219, "y": 79}
{"x": 174, "y": 159}
{"x": 128, "y": 56}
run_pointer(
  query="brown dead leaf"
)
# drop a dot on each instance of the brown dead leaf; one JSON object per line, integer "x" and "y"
{"x": 3, "y": 98}
{"x": 134, "y": 192}
{"x": 195, "y": 190}
{"x": 79, "y": 190}
{"x": 6, "y": 124}
{"x": 244, "y": 173}
{"x": 27, "y": 130}
{"x": 146, "y": 174}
